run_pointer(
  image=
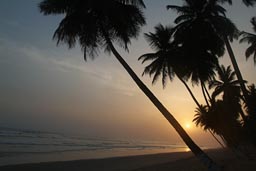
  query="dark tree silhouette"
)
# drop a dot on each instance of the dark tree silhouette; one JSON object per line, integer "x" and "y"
{"x": 251, "y": 40}
{"x": 170, "y": 59}
{"x": 227, "y": 85}
{"x": 96, "y": 24}
{"x": 250, "y": 108}
{"x": 209, "y": 15}
{"x": 221, "y": 120}
{"x": 203, "y": 119}
{"x": 246, "y": 2}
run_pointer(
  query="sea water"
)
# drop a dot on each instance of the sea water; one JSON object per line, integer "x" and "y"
{"x": 27, "y": 146}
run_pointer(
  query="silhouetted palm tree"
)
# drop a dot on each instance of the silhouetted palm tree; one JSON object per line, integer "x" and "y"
{"x": 246, "y": 2}
{"x": 220, "y": 119}
{"x": 170, "y": 60}
{"x": 228, "y": 86}
{"x": 250, "y": 39}
{"x": 225, "y": 84}
{"x": 203, "y": 119}
{"x": 249, "y": 2}
{"x": 251, "y": 107}
{"x": 251, "y": 111}
{"x": 96, "y": 24}
{"x": 209, "y": 15}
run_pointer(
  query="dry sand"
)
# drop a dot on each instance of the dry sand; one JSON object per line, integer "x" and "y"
{"x": 181, "y": 161}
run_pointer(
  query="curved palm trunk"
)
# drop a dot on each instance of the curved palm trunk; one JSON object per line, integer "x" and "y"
{"x": 236, "y": 68}
{"x": 208, "y": 94}
{"x": 203, "y": 157}
{"x": 204, "y": 93}
{"x": 216, "y": 138}
{"x": 198, "y": 105}
{"x": 190, "y": 92}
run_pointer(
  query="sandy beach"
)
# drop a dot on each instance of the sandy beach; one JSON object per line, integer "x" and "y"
{"x": 180, "y": 161}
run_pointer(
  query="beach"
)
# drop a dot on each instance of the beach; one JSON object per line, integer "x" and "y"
{"x": 177, "y": 161}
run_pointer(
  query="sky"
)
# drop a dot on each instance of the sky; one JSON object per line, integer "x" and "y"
{"x": 45, "y": 87}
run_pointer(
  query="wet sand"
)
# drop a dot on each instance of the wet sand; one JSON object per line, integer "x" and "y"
{"x": 179, "y": 161}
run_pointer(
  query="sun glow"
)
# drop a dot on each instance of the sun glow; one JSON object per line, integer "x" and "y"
{"x": 187, "y": 126}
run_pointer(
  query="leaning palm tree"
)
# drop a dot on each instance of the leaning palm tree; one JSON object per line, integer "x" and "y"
{"x": 171, "y": 60}
{"x": 210, "y": 15}
{"x": 97, "y": 24}
{"x": 166, "y": 59}
{"x": 250, "y": 39}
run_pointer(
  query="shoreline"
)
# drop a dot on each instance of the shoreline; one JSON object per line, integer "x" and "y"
{"x": 124, "y": 163}
{"x": 175, "y": 161}
{"x": 29, "y": 158}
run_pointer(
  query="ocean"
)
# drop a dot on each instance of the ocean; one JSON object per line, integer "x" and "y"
{"x": 19, "y": 146}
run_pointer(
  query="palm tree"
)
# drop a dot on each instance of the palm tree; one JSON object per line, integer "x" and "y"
{"x": 250, "y": 107}
{"x": 249, "y": 2}
{"x": 203, "y": 119}
{"x": 251, "y": 111}
{"x": 220, "y": 119}
{"x": 227, "y": 85}
{"x": 246, "y": 2}
{"x": 209, "y": 15}
{"x": 96, "y": 24}
{"x": 169, "y": 60}
{"x": 250, "y": 39}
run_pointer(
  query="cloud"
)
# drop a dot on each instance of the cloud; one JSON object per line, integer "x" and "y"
{"x": 105, "y": 73}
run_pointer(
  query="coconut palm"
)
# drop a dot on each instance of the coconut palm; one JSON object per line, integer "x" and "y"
{"x": 209, "y": 15}
{"x": 170, "y": 60}
{"x": 219, "y": 119}
{"x": 227, "y": 85}
{"x": 251, "y": 107}
{"x": 251, "y": 111}
{"x": 246, "y": 2}
{"x": 97, "y": 24}
{"x": 250, "y": 39}
{"x": 204, "y": 119}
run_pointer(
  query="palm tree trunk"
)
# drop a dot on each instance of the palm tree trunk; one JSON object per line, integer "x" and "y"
{"x": 216, "y": 138}
{"x": 236, "y": 68}
{"x": 190, "y": 92}
{"x": 198, "y": 105}
{"x": 203, "y": 157}
{"x": 208, "y": 94}
{"x": 205, "y": 98}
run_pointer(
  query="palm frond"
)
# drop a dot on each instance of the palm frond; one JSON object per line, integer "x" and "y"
{"x": 138, "y": 3}
{"x": 179, "y": 9}
{"x": 249, "y": 2}
{"x": 148, "y": 57}
{"x": 247, "y": 37}
{"x": 48, "y": 7}
{"x": 90, "y": 24}
{"x": 250, "y": 50}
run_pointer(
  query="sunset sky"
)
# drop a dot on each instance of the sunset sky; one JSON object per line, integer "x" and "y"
{"x": 51, "y": 88}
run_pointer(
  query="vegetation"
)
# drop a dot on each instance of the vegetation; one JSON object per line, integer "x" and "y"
{"x": 190, "y": 51}
{"x": 94, "y": 24}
